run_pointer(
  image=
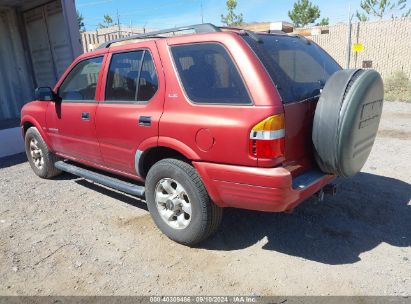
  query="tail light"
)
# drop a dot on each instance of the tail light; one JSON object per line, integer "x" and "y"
{"x": 267, "y": 138}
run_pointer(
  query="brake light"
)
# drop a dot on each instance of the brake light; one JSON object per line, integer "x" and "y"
{"x": 267, "y": 138}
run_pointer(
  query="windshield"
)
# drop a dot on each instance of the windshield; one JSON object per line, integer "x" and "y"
{"x": 297, "y": 67}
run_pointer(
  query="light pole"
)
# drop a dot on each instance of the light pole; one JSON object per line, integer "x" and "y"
{"x": 202, "y": 12}
{"x": 348, "y": 49}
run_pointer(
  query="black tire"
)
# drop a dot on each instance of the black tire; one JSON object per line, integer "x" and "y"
{"x": 47, "y": 170}
{"x": 346, "y": 121}
{"x": 206, "y": 216}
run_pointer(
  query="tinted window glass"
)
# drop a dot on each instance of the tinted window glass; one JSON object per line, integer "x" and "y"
{"x": 128, "y": 69}
{"x": 123, "y": 75}
{"x": 81, "y": 82}
{"x": 148, "y": 83}
{"x": 298, "y": 68}
{"x": 209, "y": 75}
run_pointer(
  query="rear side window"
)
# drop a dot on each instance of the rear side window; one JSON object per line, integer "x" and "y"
{"x": 209, "y": 75}
{"x": 81, "y": 82}
{"x": 298, "y": 68}
{"x": 132, "y": 77}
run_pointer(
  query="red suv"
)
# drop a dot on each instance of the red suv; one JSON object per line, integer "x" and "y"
{"x": 207, "y": 119}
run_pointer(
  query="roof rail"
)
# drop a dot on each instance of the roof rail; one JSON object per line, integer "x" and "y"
{"x": 198, "y": 29}
{"x": 231, "y": 28}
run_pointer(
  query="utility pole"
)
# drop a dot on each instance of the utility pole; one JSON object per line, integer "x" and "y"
{"x": 348, "y": 50}
{"x": 202, "y": 12}
{"x": 118, "y": 24}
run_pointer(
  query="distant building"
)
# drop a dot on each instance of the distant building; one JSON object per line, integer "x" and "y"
{"x": 39, "y": 39}
{"x": 92, "y": 39}
{"x": 268, "y": 26}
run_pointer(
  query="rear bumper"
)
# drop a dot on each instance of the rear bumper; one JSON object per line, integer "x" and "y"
{"x": 263, "y": 189}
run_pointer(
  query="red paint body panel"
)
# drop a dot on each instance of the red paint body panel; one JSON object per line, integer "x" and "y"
{"x": 71, "y": 135}
{"x": 230, "y": 125}
{"x": 214, "y": 137}
{"x": 35, "y": 114}
{"x": 118, "y": 130}
{"x": 263, "y": 189}
{"x": 299, "y": 118}
{"x": 68, "y": 132}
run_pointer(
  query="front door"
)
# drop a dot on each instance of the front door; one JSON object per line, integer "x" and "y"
{"x": 71, "y": 122}
{"x": 132, "y": 107}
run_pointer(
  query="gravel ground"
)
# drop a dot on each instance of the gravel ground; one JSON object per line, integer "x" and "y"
{"x": 72, "y": 237}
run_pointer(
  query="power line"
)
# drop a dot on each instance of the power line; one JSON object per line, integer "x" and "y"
{"x": 93, "y": 3}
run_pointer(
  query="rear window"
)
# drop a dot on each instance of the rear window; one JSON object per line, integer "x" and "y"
{"x": 298, "y": 68}
{"x": 208, "y": 74}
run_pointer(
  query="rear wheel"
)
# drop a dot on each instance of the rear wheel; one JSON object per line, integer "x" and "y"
{"x": 41, "y": 159}
{"x": 179, "y": 203}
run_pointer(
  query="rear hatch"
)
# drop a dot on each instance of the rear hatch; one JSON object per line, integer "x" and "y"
{"x": 299, "y": 69}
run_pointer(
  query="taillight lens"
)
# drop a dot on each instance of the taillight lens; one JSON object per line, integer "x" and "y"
{"x": 267, "y": 138}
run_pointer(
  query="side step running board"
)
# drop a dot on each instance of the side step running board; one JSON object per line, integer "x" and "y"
{"x": 101, "y": 179}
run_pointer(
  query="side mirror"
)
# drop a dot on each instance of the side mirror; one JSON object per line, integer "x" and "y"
{"x": 46, "y": 94}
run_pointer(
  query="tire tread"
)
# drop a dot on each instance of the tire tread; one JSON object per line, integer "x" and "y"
{"x": 49, "y": 158}
{"x": 212, "y": 214}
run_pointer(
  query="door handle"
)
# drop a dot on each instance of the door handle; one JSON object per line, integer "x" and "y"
{"x": 85, "y": 115}
{"x": 144, "y": 121}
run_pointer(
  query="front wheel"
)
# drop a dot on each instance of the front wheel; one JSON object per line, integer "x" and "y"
{"x": 41, "y": 159}
{"x": 179, "y": 203}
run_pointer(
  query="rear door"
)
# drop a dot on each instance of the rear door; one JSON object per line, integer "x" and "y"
{"x": 71, "y": 122}
{"x": 132, "y": 106}
{"x": 215, "y": 95}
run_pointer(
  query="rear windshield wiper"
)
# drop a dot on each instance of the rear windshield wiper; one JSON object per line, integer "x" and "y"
{"x": 302, "y": 38}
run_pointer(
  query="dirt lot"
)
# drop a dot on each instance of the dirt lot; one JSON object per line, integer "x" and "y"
{"x": 69, "y": 236}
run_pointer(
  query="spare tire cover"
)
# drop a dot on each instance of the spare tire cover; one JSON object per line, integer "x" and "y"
{"x": 346, "y": 120}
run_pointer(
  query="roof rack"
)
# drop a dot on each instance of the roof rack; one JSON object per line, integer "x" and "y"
{"x": 239, "y": 29}
{"x": 231, "y": 28}
{"x": 197, "y": 28}
{"x": 250, "y": 33}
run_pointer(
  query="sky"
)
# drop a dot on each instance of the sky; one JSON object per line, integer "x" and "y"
{"x": 158, "y": 14}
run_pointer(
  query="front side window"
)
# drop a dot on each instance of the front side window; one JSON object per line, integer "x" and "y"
{"x": 132, "y": 77}
{"x": 209, "y": 75}
{"x": 81, "y": 82}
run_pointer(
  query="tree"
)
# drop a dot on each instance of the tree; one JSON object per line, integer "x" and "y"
{"x": 324, "y": 21}
{"x": 107, "y": 22}
{"x": 231, "y": 19}
{"x": 362, "y": 16}
{"x": 303, "y": 13}
{"x": 80, "y": 21}
{"x": 381, "y": 8}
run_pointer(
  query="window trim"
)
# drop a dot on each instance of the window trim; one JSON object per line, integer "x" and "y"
{"x": 137, "y": 102}
{"x": 251, "y": 103}
{"x": 98, "y": 78}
